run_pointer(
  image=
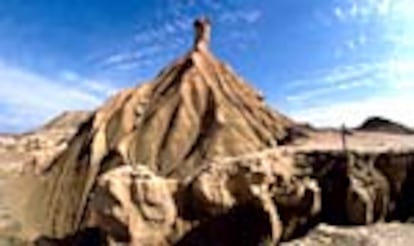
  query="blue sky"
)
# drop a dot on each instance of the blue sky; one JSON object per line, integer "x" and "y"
{"x": 321, "y": 61}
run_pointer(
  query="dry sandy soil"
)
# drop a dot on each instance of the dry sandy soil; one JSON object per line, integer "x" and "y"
{"x": 356, "y": 140}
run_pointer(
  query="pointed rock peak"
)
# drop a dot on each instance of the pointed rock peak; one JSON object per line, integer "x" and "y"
{"x": 197, "y": 109}
{"x": 202, "y": 34}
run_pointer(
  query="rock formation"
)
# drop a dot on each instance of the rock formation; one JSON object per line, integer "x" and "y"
{"x": 134, "y": 205}
{"x": 29, "y": 153}
{"x": 196, "y": 156}
{"x": 35, "y": 150}
{"x": 361, "y": 188}
{"x": 196, "y": 109}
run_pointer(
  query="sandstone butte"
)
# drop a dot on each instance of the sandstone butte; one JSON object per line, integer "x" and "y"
{"x": 197, "y": 156}
{"x": 196, "y": 109}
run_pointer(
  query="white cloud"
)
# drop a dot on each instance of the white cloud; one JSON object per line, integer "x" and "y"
{"x": 247, "y": 16}
{"x": 387, "y": 11}
{"x": 142, "y": 54}
{"x": 403, "y": 74}
{"x": 27, "y": 99}
{"x": 357, "y": 10}
{"x": 352, "y": 113}
{"x": 253, "y": 16}
{"x": 339, "y": 13}
{"x": 149, "y": 42}
{"x": 394, "y": 78}
{"x": 69, "y": 75}
{"x": 383, "y": 7}
{"x": 340, "y": 78}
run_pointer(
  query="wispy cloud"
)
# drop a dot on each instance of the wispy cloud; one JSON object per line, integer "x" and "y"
{"x": 240, "y": 16}
{"x": 385, "y": 25}
{"x": 357, "y": 10}
{"x": 324, "y": 84}
{"x": 140, "y": 56}
{"x": 328, "y": 97}
{"x": 377, "y": 79}
{"x": 339, "y": 74}
{"x": 91, "y": 86}
{"x": 28, "y": 99}
{"x": 394, "y": 18}
{"x": 164, "y": 38}
{"x": 354, "y": 112}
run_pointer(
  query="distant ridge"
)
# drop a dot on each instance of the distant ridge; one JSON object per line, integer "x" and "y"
{"x": 379, "y": 124}
{"x": 67, "y": 119}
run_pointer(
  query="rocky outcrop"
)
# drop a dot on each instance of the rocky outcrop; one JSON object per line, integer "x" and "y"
{"x": 133, "y": 204}
{"x": 398, "y": 169}
{"x": 196, "y": 156}
{"x": 195, "y": 110}
{"x": 34, "y": 151}
{"x": 362, "y": 187}
{"x": 24, "y": 154}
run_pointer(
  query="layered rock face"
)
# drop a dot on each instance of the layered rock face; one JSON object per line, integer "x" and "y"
{"x": 133, "y": 205}
{"x": 267, "y": 197}
{"x": 195, "y": 157}
{"x": 196, "y": 109}
{"x": 361, "y": 188}
{"x": 233, "y": 201}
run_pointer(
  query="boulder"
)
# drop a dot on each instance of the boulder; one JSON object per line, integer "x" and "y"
{"x": 267, "y": 179}
{"x": 224, "y": 199}
{"x": 131, "y": 204}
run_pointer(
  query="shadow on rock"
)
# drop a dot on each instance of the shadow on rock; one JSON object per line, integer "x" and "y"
{"x": 85, "y": 237}
{"x": 242, "y": 225}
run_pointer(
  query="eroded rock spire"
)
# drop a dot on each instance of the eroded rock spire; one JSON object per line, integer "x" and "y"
{"x": 202, "y": 34}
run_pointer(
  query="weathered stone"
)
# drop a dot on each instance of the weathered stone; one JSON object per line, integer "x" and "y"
{"x": 195, "y": 110}
{"x": 368, "y": 194}
{"x": 398, "y": 169}
{"x": 363, "y": 187}
{"x": 193, "y": 128}
{"x": 131, "y": 204}
{"x": 268, "y": 179}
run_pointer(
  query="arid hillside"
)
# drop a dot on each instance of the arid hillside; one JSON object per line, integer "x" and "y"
{"x": 196, "y": 157}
